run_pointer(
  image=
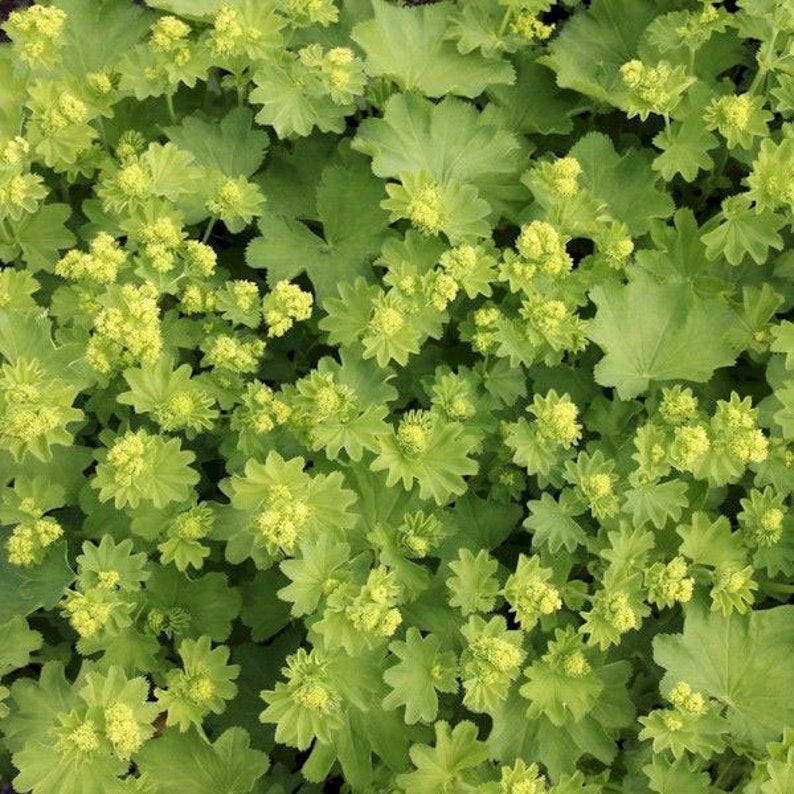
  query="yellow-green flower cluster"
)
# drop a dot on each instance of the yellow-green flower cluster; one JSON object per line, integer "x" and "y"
{"x": 420, "y": 533}
{"x": 197, "y": 298}
{"x": 233, "y": 353}
{"x": 37, "y": 33}
{"x": 558, "y": 325}
{"x": 617, "y": 610}
{"x": 20, "y": 194}
{"x": 733, "y": 589}
{"x": 261, "y": 410}
{"x": 614, "y": 244}
{"x": 170, "y": 35}
{"x": 541, "y": 245}
{"x": 281, "y": 520}
{"x": 527, "y": 25}
{"x": 454, "y": 396}
{"x": 310, "y": 12}
{"x": 490, "y": 662}
{"x": 160, "y": 241}
{"x": 186, "y": 408}
{"x": 521, "y": 778}
{"x": 100, "y": 265}
{"x": 308, "y": 705}
{"x": 129, "y": 145}
{"x": 683, "y": 697}
{"x": 739, "y": 118}
{"x": 236, "y": 201}
{"x": 690, "y": 443}
{"x": 529, "y": 593}
{"x": 678, "y": 405}
{"x": 88, "y": 612}
{"x": 471, "y": 266}
{"x": 669, "y": 583}
{"x": 34, "y": 409}
{"x": 28, "y": 542}
{"x": 373, "y": 610}
{"x": 485, "y": 323}
{"x": 230, "y": 34}
{"x": 762, "y": 517}
{"x": 555, "y": 419}
{"x": 388, "y": 325}
{"x": 654, "y": 89}
{"x": 285, "y": 305}
{"x": 735, "y": 429}
{"x": 339, "y": 70}
{"x": 425, "y": 208}
{"x": 122, "y": 729}
{"x": 413, "y": 433}
{"x": 66, "y": 111}
{"x": 560, "y": 176}
{"x": 127, "y": 332}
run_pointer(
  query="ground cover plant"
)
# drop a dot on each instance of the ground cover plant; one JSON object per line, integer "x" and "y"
{"x": 396, "y": 398}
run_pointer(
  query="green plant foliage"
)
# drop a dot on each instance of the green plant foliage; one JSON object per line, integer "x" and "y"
{"x": 396, "y": 396}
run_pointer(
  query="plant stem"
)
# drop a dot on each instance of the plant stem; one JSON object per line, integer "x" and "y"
{"x": 169, "y": 102}
{"x": 763, "y": 68}
{"x": 777, "y": 587}
{"x": 503, "y": 25}
{"x": 208, "y": 230}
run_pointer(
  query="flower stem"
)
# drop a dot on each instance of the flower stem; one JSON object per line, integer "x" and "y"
{"x": 208, "y": 230}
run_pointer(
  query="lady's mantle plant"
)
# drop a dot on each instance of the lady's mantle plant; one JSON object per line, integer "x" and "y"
{"x": 397, "y": 398}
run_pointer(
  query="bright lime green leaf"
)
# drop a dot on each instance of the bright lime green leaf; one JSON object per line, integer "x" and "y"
{"x": 262, "y": 612}
{"x": 475, "y": 525}
{"x": 656, "y": 502}
{"x": 409, "y": 46}
{"x": 24, "y": 590}
{"x": 685, "y": 145}
{"x": 681, "y": 257}
{"x": 289, "y": 108}
{"x": 181, "y": 762}
{"x": 206, "y": 604}
{"x": 783, "y": 341}
{"x": 43, "y": 768}
{"x": 293, "y": 173}
{"x": 439, "y": 466}
{"x": 596, "y": 42}
{"x": 711, "y": 542}
{"x": 448, "y": 141}
{"x": 17, "y": 642}
{"x": 12, "y": 96}
{"x": 658, "y": 332}
{"x": 552, "y": 526}
{"x": 174, "y": 171}
{"x": 744, "y": 231}
{"x": 535, "y": 104}
{"x": 36, "y": 704}
{"x": 625, "y": 184}
{"x": 308, "y": 574}
{"x": 472, "y": 584}
{"x": 354, "y": 228}
{"x": 742, "y": 661}
{"x": 197, "y": 8}
{"x": 785, "y": 416}
{"x": 348, "y": 313}
{"x": 230, "y": 146}
{"x": 422, "y": 670}
{"x": 39, "y": 237}
{"x": 675, "y": 777}
{"x": 442, "y": 767}
{"x": 98, "y": 34}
